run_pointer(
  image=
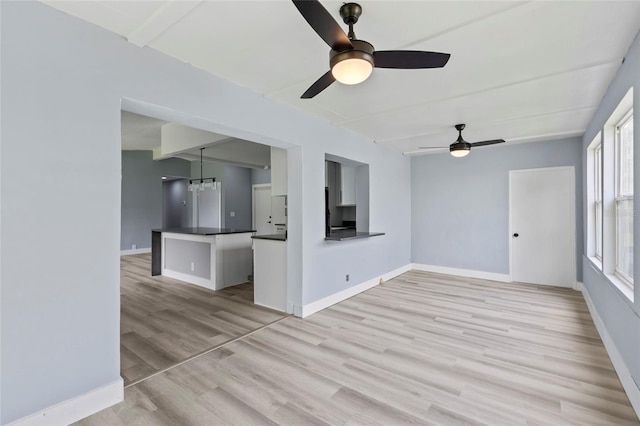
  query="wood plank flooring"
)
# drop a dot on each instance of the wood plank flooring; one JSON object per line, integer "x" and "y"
{"x": 422, "y": 349}
{"x": 165, "y": 321}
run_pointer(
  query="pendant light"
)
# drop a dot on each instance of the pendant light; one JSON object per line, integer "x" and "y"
{"x": 204, "y": 182}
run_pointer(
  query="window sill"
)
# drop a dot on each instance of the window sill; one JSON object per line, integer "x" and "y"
{"x": 596, "y": 262}
{"x": 621, "y": 286}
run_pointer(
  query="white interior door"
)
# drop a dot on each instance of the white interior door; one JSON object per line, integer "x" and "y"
{"x": 262, "y": 222}
{"x": 542, "y": 203}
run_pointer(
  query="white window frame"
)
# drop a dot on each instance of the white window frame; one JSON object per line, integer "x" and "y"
{"x": 624, "y": 278}
{"x": 597, "y": 199}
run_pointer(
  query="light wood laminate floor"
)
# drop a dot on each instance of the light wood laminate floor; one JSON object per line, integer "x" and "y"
{"x": 421, "y": 349}
{"x": 165, "y": 321}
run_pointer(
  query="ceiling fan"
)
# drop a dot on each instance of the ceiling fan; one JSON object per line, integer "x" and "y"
{"x": 460, "y": 147}
{"x": 352, "y": 60}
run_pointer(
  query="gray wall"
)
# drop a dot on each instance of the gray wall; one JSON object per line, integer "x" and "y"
{"x": 621, "y": 317}
{"x": 141, "y": 207}
{"x": 64, "y": 82}
{"x": 460, "y": 206}
{"x": 176, "y": 203}
{"x": 260, "y": 176}
{"x": 237, "y": 197}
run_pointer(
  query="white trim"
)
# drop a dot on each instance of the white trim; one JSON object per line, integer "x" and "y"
{"x": 629, "y": 385}
{"x": 572, "y": 215}
{"x": 579, "y": 286}
{"x": 493, "y": 276}
{"x": 210, "y": 282}
{"x": 318, "y": 305}
{"x": 77, "y": 408}
{"x": 136, "y": 251}
{"x": 191, "y": 279}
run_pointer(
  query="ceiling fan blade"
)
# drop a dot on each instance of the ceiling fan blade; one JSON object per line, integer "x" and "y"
{"x": 320, "y": 84}
{"x": 491, "y": 142}
{"x": 433, "y": 147}
{"x": 323, "y": 24}
{"x": 409, "y": 59}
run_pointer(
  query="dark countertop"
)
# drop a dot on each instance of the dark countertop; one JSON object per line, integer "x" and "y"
{"x": 273, "y": 237}
{"x": 203, "y": 231}
{"x": 350, "y": 234}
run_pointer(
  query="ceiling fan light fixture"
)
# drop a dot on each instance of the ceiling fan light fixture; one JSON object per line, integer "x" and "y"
{"x": 353, "y": 66}
{"x": 352, "y": 71}
{"x": 459, "y": 149}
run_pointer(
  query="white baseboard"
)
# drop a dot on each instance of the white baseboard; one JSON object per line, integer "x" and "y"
{"x": 191, "y": 279}
{"x": 629, "y": 385}
{"x": 325, "y": 302}
{"x": 579, "y": 286}
{"x": 136, "y": 251}
{"x": 462, "y": 272}
{"x": 74, "y": 409}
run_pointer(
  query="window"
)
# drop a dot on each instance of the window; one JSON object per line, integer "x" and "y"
{"x": 609, "y": 198}
{"x": 624, "y": 198}
{"x": 597, "y": 199}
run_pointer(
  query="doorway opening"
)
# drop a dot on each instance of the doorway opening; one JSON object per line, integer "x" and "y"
{"x": 203, "y": 296}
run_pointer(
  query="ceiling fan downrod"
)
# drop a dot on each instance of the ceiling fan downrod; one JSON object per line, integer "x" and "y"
{"x": 350, "y": 12}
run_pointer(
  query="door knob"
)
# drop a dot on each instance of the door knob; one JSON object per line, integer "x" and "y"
{"x": 516, "y": 235}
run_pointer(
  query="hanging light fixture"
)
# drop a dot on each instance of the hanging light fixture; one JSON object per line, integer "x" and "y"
{"x": 460, "y": 149}
{"x": 204, "y": 182}
{"x": 353, "y": 66}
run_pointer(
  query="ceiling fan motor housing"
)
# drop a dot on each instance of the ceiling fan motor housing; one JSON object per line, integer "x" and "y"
{"x": 460, "y": 146}
{"x": 361, "y": 50}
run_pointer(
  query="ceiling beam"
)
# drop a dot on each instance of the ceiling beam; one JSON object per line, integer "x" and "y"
{"x": 163, "y": 19}
{"x": 195, "y": 157}
{"x": 594, "y": 66}
{"x": 466, "y": 24}
{"x": 495, "y": 123}
{"x": 510, "y": 141}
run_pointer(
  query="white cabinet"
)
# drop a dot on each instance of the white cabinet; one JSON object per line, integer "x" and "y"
{"x": 278, "y": 171}
{"x": 270, "y": 274}
{"x": 279, "y": 210}
{"x": 347, "y": 177}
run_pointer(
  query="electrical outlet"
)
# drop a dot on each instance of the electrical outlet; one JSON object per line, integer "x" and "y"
{"x": 193, "y": 266}
{"x": 232, "y": 214}
{"x": 347, "y": 277}
{"x": 381, "y": 281}
{"x": 133, "y": 246}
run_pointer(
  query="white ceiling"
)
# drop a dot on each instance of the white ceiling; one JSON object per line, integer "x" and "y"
{"x": 521, "y": 71}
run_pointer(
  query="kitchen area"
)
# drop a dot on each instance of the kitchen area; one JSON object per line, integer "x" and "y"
{"x": 346, "y": 199}
{"x": 187, "y": 277}
{"x": 202, "y": 249}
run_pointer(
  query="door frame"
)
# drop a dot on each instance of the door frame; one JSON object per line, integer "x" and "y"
{"x": 253, "y": 201}
{"x": 572, "y": 215}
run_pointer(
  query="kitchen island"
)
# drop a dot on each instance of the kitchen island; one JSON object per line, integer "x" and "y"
{"x": 214, "y": 258}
